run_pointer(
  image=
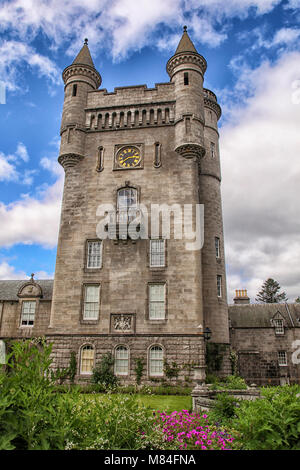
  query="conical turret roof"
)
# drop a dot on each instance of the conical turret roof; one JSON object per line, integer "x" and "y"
{"x": 84, "y": 57}
{"x": 185, "y": 44}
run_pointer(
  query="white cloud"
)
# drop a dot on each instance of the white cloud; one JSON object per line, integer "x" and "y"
{"x": 22, "y": 152}
{"x": 9, "y": 272}
{"x": 14, "y": 55}
{"x": 31, "y": 220}
{"x": 260, "y": 145}
{"x": 9, "y": 166}
{"x": 120, "y": 25}
{"x": 8, "y": 171}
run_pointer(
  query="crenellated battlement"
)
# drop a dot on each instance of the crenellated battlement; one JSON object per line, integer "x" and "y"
{"x": 130, "y": 116}
{"x": 210, "y": 101}
{"x": 131, "y": 94}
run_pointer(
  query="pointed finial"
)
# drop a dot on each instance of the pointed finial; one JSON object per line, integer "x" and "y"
{"x": 185, "y": 29}
{"x": 31, "y": 279}
{"x": 86, "y": 41}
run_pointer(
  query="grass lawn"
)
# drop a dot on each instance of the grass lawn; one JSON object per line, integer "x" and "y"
{"x": 167, "y": 403}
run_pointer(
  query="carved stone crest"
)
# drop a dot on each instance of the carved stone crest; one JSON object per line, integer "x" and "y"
{"x": 122, "y": 323}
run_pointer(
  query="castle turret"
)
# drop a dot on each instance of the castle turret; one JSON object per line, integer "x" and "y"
{"x": 196, "y": 137}
{"x": 213, "y": 256}
{"x": 186, "y": 69}
{"x": 80, "y": 77}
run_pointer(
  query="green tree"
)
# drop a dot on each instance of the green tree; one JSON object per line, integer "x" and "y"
{"x": 298, "y": 299}
{"x": 269, "y": 293}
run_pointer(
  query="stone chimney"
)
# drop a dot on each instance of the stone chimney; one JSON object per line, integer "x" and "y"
{"x": 241, "y": 297}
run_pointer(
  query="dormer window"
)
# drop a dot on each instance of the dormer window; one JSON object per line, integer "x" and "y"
{"x": 28, "y": 312}
{"x": 279, "y": 328}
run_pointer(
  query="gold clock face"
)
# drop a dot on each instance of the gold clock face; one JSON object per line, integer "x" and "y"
{"x": 129, "y": 157}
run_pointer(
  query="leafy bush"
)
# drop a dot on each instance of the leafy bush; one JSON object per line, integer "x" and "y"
{"x": 231, "y": 382}
{"x": 115, "y": 422}
{"x": 271, "y": 423}
{"x": 224, "y": 409}
{"x": 139, "y": 367}
{"x": 103, "y": 373}
{"x": 32, "y": 415}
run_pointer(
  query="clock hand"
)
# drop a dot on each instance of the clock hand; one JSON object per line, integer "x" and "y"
{"x": 132, "y": 156}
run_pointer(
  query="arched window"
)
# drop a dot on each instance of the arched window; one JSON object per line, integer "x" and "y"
{"x": 156, "y": 361}
{"x": 121, "y": 360}
{"x": 127, "y": 198}
{"x": 87, "y": 359}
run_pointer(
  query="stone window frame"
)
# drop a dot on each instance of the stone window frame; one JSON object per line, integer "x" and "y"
{"x": 22, "y": 301}
{"x": 282, "y": 358}
{"x": 128, "y": 360}
{"x": 84, "y": 345}
{"x": 157, "y": 320}
{"x": 127, "y": 185}
{"x": 212, "y": 149}
{"x": 86, "y": 268}
{"x": 157, "y": 268}
{"x": 218, "y": 247}
{"x": 149, "y": 364}
{"x": 82, "y": 319}
{"x": 219, "y": 286}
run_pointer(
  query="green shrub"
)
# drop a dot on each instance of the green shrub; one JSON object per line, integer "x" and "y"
{"x": 271, "y": 423}
{"x": 114, "y": 422}
{"x": 225, "y": 407}
{"x": 103, "y": 373}
{"x": 231, "y": 382}
{"x": 139, "y": 368}
{"x": 32, "y": 415}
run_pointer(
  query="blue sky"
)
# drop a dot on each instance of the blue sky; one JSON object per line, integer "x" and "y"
{"x": 253, "y": 52}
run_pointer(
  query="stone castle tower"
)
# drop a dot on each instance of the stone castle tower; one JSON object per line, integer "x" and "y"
{"x": 147, "y": 298}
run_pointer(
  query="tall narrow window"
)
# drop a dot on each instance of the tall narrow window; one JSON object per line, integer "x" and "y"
{"x": 186, "y": 78}
{"x": 91, "y": 302}
{"x": 94, "y": 255}
{"x": 282, "y": 358}
{"x": 212, "y": 149}
{"x": 74, "y": 91}
{"x": 127, "y": 204}
{"x": 157, "y": 253}
{"x": 121, "y": 360}
{"x": 279, "y": 329}
{"x": 157, "y": 302}
{"x": 156, "y": 357}
{"x": 28, "y": 312}
{"x": 87, "y": 359}
{"x": 219, "y": 286}
{"x": 217, "y": 245}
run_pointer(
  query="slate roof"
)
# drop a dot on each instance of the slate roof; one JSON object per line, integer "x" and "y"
{"x": 9, "y": 289}
{"x": 84, "y": 57}
{"x": 260, "y": 315}
{"x": 185, "y": 44}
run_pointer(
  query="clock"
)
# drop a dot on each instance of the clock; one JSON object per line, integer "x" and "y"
{"x": 129, "y": 157}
